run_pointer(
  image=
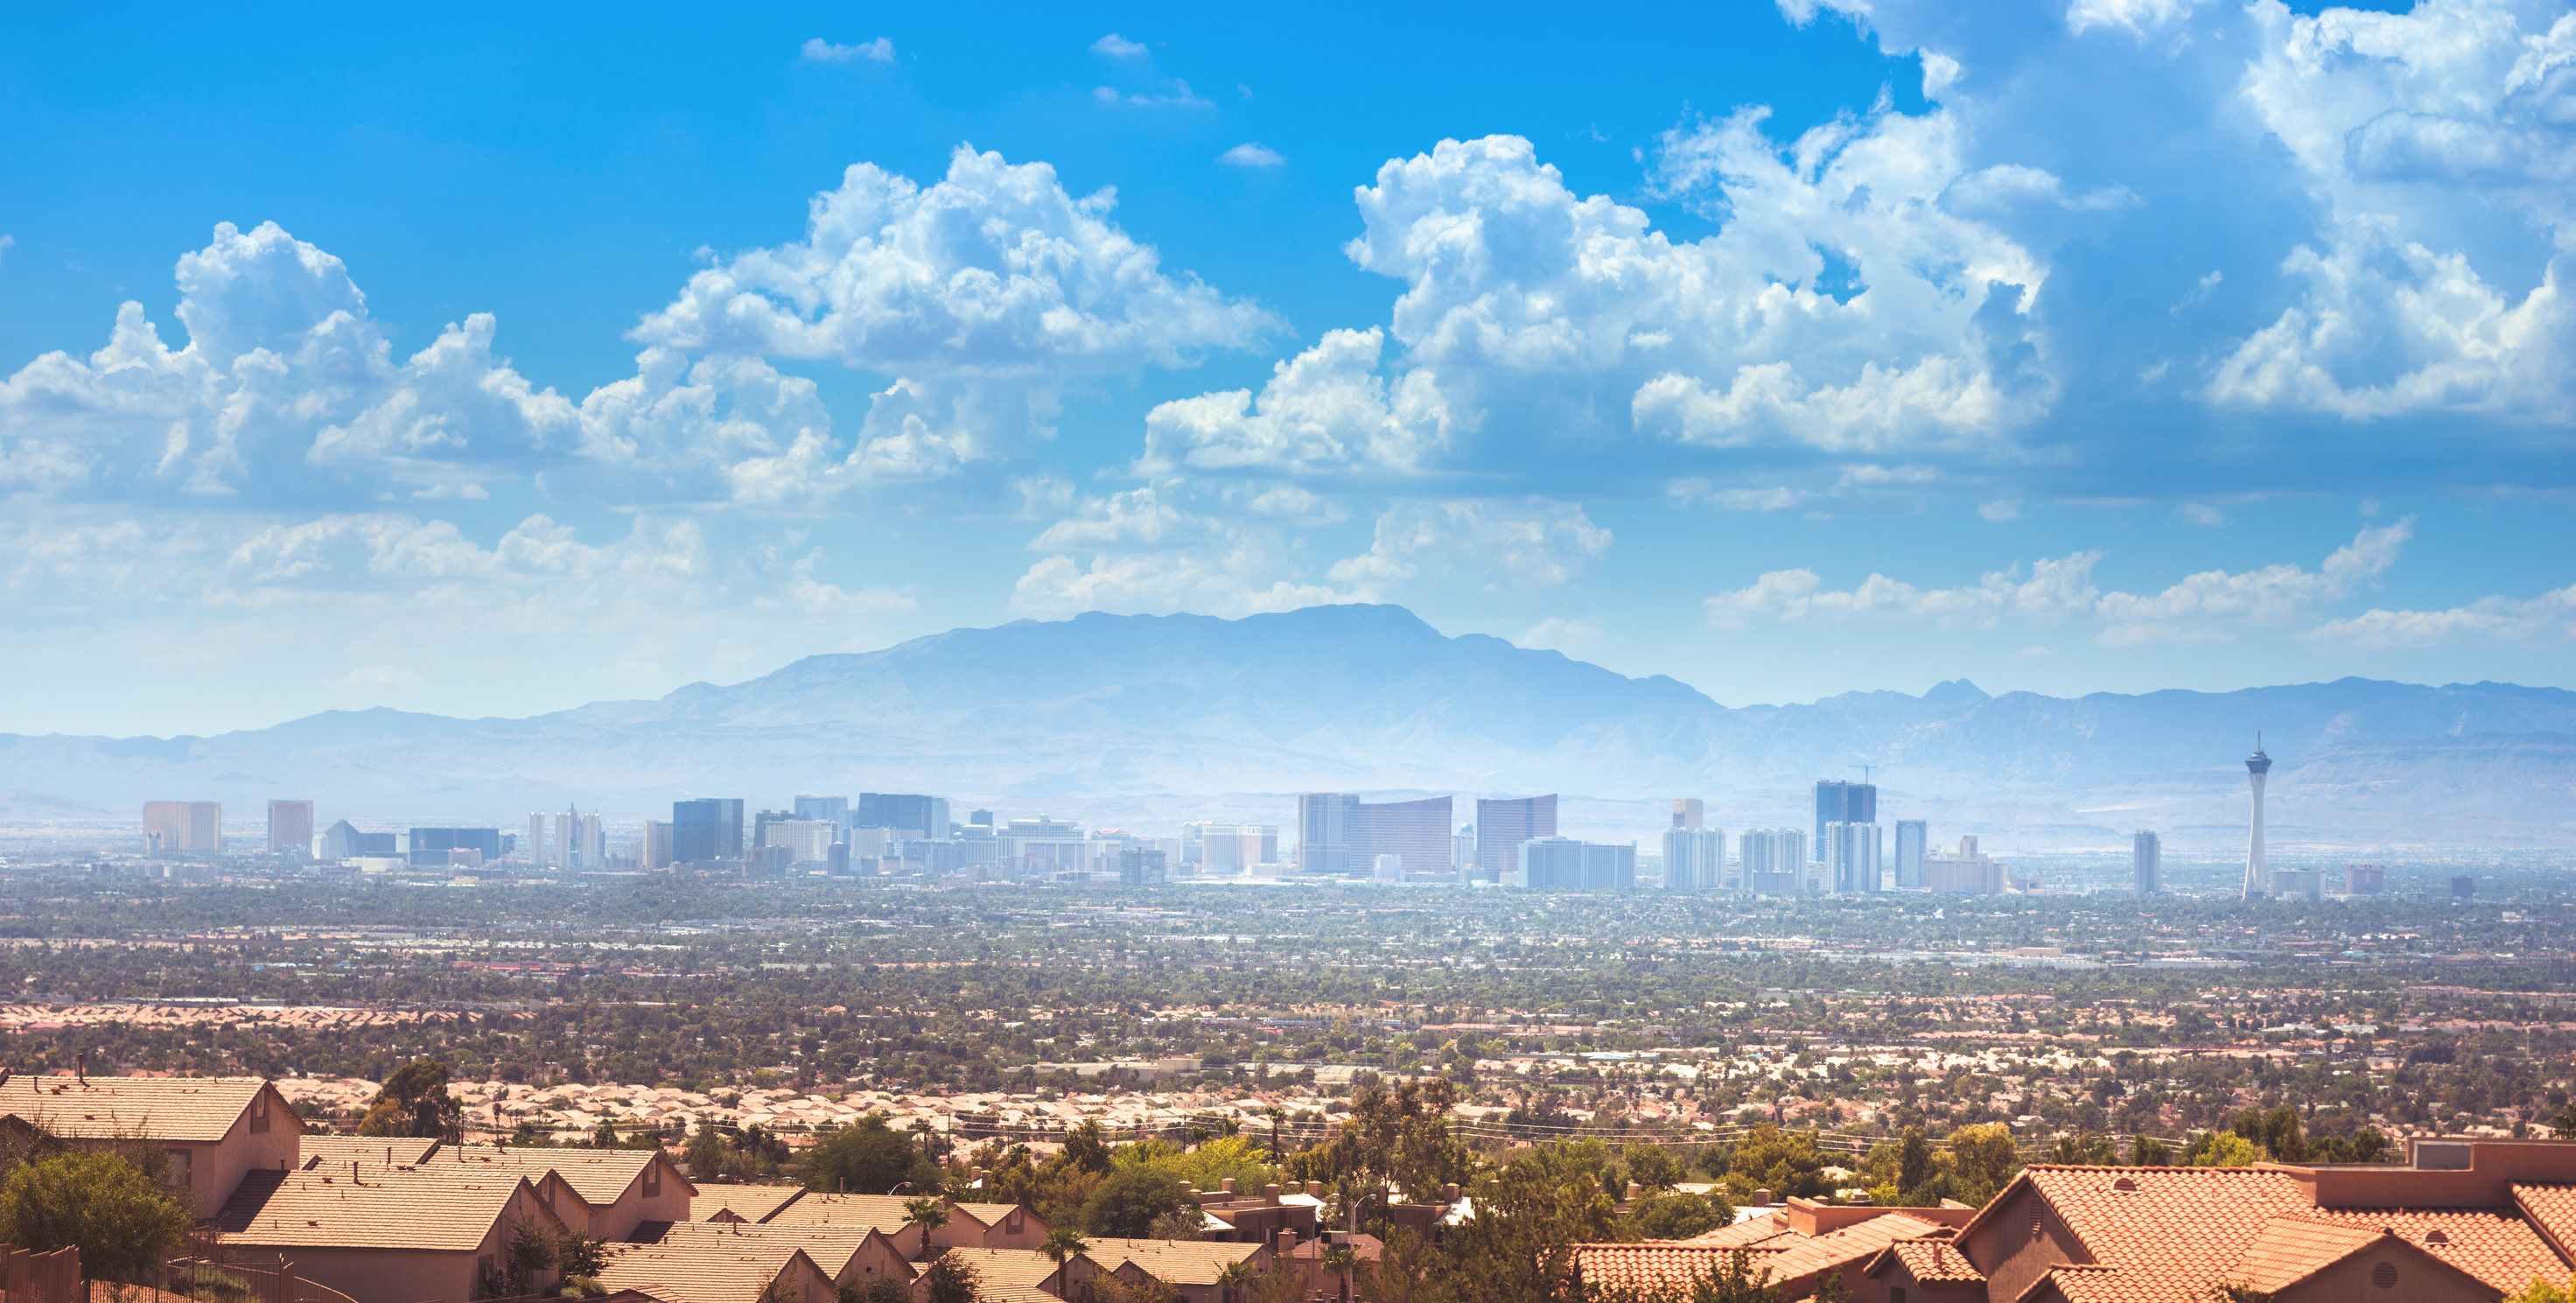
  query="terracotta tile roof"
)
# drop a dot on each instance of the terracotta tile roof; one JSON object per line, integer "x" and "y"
{"x": 386, "y": 1209}
{"x": 1017, "y": 1275}
{"x": 831, "y": 1247}
{"x": 2552, "y": 1211}
{"x": 1928, "y": 1260}
{"x": 2290, "y": 1249}
{"x": 883, "y": 1211}
{"x": 1787, "y": 1254}
{"x": 2169, "y": 1228}
{"x": 1173, "y": 1262}
{"x": 326, "y": 1150}
{"x": 699, "y": 1274}
{"x": 752, "y": 1203}
{"x": 1745, "y": 1233}
{"x": 194, "y": 1110}
{"x": 2491, "y": 1244}
{"x": 600, "y": 1176}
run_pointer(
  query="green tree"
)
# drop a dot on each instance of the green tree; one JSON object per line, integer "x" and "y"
{"x": 2147, "y": 1151}
{"x": 1396, "y": 1137}
{"x": 97, "y": 1201}
{"x": 1784, "y": 1163}
{"x": 1518, "y": 1248}
{"x": 874, "y": 1289}
{"x": 414, "y": 1102}
{"x": 1652, "y": 1168}
{"x": 1985, "y": 1159}
{"x": 2222, "y": 1149}
{"x": 1914, "y": 1159}
{"x": 1061, "y": 1243}
{"x": 949, "y": 1278}
{"x": 869, "y": 1157}
{"x": 1673, "y": 1215}
{"x": 1129, "y": 1202}
{"x": 2541, "y": 1291}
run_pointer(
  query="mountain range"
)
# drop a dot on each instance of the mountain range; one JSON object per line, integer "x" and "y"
{"x": 1165, "y": 715}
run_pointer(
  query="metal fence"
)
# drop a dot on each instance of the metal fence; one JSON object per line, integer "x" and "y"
{"x": 210, "y": 1280}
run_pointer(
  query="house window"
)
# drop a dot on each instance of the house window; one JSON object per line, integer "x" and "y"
{"x": 259, "y": 1113}
{"x": 2385, "y": 1274}
{"x": 1896, "y": 1294}
{"x": 1011, "y": 1224}
{"x": 183, "y": 1165}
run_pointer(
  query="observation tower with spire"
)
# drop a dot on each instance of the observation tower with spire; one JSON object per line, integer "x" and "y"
{"x": 2257, "y": 882}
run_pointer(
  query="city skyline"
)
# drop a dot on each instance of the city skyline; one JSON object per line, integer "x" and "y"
{"x": 1921, "y": 363}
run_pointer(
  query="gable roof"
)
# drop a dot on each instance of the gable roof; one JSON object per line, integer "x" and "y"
{"x": 330, "y": 1151}
{"x": 2491, "y": 1244}
{"x": 702, "y": 1274}
{"x": 1173, "y": 1262}
{"x": 884, "y": 1211}
{"x": 1652, "y": 1266}
{"x": 1933, "y": 1259}
{"x": 994, "y": 1214}
{"x": 1018, "y": 1275}
{"x": 600, "y": 1176}
{"x": 385, "y": 1209}
{"x": 831, "y": 1247}
{"x": 185, "y": 1110}
{"x": 752, "y": 1203}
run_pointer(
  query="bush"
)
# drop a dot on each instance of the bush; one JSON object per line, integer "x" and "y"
{"x": 1127, "y": 1205}
{"x": 95, "y": 1200}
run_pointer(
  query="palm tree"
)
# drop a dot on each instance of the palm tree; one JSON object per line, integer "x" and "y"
{"x": 1340, "y": 1259}
{"x": 1231, "y": 1280}
{"x": 929, "y": 1215}
{"x": 1061, "y": 1243}
{"x": 1276, "y": 1115}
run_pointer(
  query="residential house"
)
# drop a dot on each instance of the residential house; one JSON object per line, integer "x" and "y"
{"x": 613, "y": 1190}
{"x": 850, "y": 1255}
{"x": 325, "y": 1150}
{"x": 991, "y": 1226}
{"x": 1192, "y": 1268}
{"x": 2460, "y": 1219}
{"x": 386, "y": 1235}
{"x": 884, "y": 1212}
{"x": 215, "y": 1129}
{"x": 740, "y": 1203}
{"x": 754, "y": 1271}
{"x": 1026, "y": 1275}
{"x": 1793, "y": 1247}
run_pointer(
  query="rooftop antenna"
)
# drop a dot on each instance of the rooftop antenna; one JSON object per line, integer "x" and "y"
{"x": 1864, "y": 772}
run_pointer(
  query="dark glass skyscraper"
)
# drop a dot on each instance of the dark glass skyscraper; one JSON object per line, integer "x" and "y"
{"x": 1841, "y": 802}
{"x": 709, "y": 828}
{"x": 1501, "y": 827}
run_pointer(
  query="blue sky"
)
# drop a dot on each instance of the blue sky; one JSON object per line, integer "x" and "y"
{"x": 527, "y": 358}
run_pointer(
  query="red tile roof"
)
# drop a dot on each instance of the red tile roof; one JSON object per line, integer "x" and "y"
{"x": 2493, "y": 1245}
{"x": 1928, "y": 1260}
{"x": 1650, "y": 1266}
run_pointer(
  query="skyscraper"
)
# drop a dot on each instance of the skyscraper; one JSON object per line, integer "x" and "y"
{"x": 2146, "y": 860}
{"x": 921, "y": 816}
{"x": 1693, "y": 858}
{"x": 1841, "y": 802}
{"x": 709, "y": 828}
{"x": 834, "y": 810}
{"x": 1418, "y": 831}
{"x": 2256, "y": 766}
{"x": 536, "y": 847}
{"x": 1501, "y": 826}
{"x": 1324, "y": 832}
{"x": 1773, "y": 859}
{"x": 656, "y": 850}
{"x": 173, "y": 827}
{"x": 1564, "y": 864}
{"x": 1851, "y": 857}
{"x": 1689, "y": 812}
{"x": 290, "y": 826}
{"x": 1912, "y": 837}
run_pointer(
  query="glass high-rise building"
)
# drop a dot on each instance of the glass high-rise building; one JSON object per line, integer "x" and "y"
{"x": 1339, "y": 834}
{"x": 1851, "y": 857}
{"x": 1841, "y": 802}
{"x": 1912, "y": 836}
{"x": 1501, "y": 827}
{"x": 2147, "y": 861}
{"x": 834, "y": 810}
{"x": 709, "y": 828}
{"x": 922, "y": 816}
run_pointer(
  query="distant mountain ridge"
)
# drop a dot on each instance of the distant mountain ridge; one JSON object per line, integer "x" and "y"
{"x": 1340, "y": 697}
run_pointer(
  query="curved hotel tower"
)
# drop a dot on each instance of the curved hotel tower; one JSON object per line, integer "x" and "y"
{"x": 2256, "y": 766}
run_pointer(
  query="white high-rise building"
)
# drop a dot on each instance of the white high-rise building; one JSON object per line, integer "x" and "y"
{"x": 2257, "y": 766}
{"x": 1772, "y": 860}
{"x": 809, "y": 841}
{"x": 1851, "y": 855}
{"x": 1694, "y": 858}
{"x": 1913, "y": 838}
{"x": 536, "y": 847}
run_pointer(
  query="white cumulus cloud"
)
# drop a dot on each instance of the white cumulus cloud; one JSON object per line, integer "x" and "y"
{"x": 880, "y": 50}
{"x": 1251, "y": 153}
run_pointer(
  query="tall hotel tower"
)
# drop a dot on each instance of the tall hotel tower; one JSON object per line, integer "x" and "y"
{"x": 2256, "y": 766}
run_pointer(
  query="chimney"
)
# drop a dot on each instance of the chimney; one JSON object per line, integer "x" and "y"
{"x": 1226, "y": 1184}
{"x": 80, "y": 1067}
{"x": 353, "y": 1171}
{"x": 1449, "y": 1192}
{"x": 1314, "y": 1189}
{"x": 1270, "y": 1192}
{"x": 1633, "y": 1187}
{"x": 1761, "y": 1198}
